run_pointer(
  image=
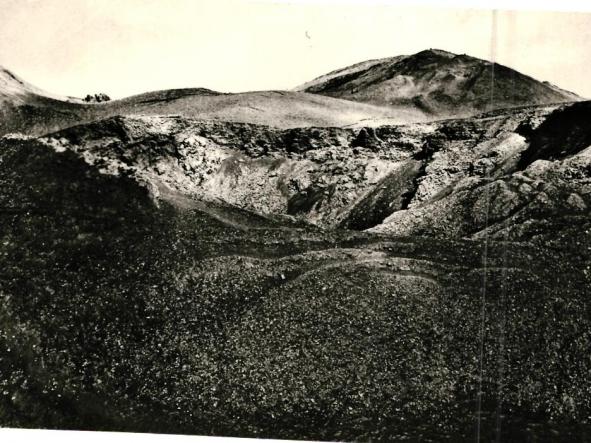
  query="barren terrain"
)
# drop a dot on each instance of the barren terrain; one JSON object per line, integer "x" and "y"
{"x": 178, "y": 262}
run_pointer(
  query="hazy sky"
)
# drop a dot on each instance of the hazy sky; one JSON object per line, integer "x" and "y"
{"x": 124, "y": 47}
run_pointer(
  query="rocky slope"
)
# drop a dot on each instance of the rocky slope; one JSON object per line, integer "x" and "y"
{"x": 163, "y": 273}
{"x": 234, "y": 315}
{"x": 452, "y": 178}
{"x": 438, "y": 83}
{"x": 533, "y": 186}
{"x": 130, "y": 304}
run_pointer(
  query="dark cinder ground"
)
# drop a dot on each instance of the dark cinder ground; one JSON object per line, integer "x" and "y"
{"x": 132, "y": 300}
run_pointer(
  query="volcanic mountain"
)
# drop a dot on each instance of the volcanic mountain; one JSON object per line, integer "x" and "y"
{"x": 437, "y": 82}
{"x": 167, "y": 265}
{"x": 426, "y": 86}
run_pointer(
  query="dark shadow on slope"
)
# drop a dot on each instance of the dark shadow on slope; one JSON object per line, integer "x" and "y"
{"x": 387, "y": 197}
{"x": 309, "y": 199}
{"x": 564, "y": 133}
{"x": 171, "y": 95}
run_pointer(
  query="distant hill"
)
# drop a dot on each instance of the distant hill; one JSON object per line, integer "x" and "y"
{"x": 437, "y": 82}
{"x": 27, "y": 109}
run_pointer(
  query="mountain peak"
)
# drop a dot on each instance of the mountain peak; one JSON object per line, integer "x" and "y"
{"x": 438, "y": 82}
{"x": 439, "y": 52}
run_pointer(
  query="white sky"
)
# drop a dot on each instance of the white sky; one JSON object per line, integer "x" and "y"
{"x": 124, "y": 47}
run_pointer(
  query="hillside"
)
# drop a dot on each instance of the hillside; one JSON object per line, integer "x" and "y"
{"x": 161, "y": 274}
{"x": 427, "y": 86}
{"x": 26, "y": 109}
{"x": 346, "y": 177}
{"x": 287, "y": 265}
{"x": 29, "y": 110}
{"x": 439, "y": 83}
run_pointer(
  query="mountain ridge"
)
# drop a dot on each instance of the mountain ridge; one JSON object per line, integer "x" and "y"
{"x": 27, "y": 109}
{"x": 429, "y": 85}
{"x": 439, "y": 82}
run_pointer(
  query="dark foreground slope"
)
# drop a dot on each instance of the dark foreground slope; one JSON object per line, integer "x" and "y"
{"x": 437, "y": 82}
{"x": 129, "y": 302}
